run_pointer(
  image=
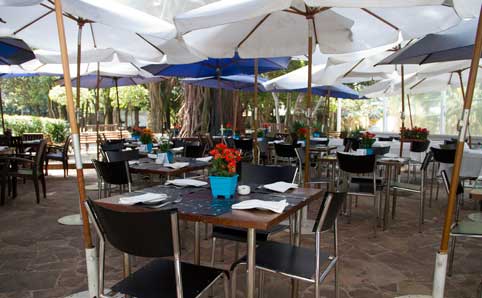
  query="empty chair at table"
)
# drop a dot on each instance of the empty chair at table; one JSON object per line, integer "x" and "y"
{"x": 381, "y": 150}
{"x": 245, "y": 146}
{"x": 31, "y": 168}
{"x": 461, "y": 228}
{"x": 59, "y": 153}
{"x": 385, "y": 139}
{"x": 124, "y": 155}
{"x": 263, "y": 152}
{"x": 151, "y": 234}
{"x": 194, "y": 150}
{"x": 302, "y": 263}
{"x": 414, "y": 188}
{"x": 253, "y": 175}
{"x": 417, "y": 149}
{"x": 112, "y": 173}
{"x": 319, "y": 142}
{"x": 442, "y": 158}
{"x": 352, "y": 167}
{"x": 285, "y": 153}
{"x": 104, "y": 147}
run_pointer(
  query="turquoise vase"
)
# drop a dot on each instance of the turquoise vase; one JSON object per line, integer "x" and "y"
{"x": 170, "y": 156}
{"x": 149, "y": 147}
{"x": 369, "y": 151}
{"x": 223, "y": 186}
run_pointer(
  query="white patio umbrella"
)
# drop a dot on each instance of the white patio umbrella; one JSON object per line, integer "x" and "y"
{"x": 280, "y": 28}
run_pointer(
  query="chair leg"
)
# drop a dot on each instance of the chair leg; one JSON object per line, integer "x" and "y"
{"x": 261, "y": 284}
{"x": 37, "y": 191}
{"x": 350, "y": 201}
{"x": 213, "y": 251}
{"x": 222, "y": 250}
{"x": 431, "y": 186}
{"x": 66, "y": 168}
{"x": 437, "y": 191}
{"x": 394, "y": 203}
{"x": 451, "y": 256}
{"x": 206, "y": 231}
{"x": 234, "y": 275}
{"x": 44, "y": 190}
{"x": 46, "y": 167}
{"x": 226, "y": 286}
{"x": 2, "y": 198}
{"x": 421, "y": 211}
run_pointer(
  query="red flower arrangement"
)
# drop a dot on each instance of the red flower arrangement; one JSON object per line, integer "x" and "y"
{"x": 266, "y": 125}
{"x": 229, "y": 125}
{"x": 367, "y": 140}
{"x": 137, "y": 131}
{"x": 302, "y": 132}
{"x": 224, "y": 161}
{"x": 416, "y": 133}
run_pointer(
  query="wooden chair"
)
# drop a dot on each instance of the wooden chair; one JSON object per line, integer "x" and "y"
{"x": 59, "y": 153}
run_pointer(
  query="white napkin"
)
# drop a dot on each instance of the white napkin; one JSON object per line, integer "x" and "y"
{"x": 176, "y": 165}
{"x": 390, "y": 155}
{"x": 146, "y": 197}
{"x": 186, "y": 182}
{"x": 177, "y": 149}
{"x": 133, "y": 162}
{"x": 206, "y": 159}
{"x": 275, "y": 206}
{"x": 399, "y": 159}
{"x": 3, "y": 148}
{"x": 152, "y": 155}
{"x": 280, "y": 186}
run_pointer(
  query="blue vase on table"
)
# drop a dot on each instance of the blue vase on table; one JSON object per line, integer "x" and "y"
{"x": 170, "y": 156}
{"x": 223, "y": 186}
{"x": 149, "y": 147}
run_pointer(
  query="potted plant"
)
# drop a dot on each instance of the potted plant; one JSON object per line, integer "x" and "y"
{"x": 147, "y": 138}
{"x": 136, "y": 133}
{"x": 260, "y": 134}
{"x": 418, "y": 136}
{"x": 367, "y": 140}
{"x": 222, "y": 174}
{"x": 164, "y": 146}
{"x": 228, "y": 130}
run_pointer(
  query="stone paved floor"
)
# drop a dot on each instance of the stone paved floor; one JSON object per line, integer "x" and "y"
{"x": 41, "y": 258}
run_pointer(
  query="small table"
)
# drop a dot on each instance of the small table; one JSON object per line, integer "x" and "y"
{"x": 197, "y": 206}
{"x": 476, "y": 194}
{"x": 150, "y": 167}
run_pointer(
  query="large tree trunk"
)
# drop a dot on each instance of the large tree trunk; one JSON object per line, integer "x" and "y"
{"x": 155, "y": 115}
{"x": 108, "y": 118}
{"x": 136, "y": 117}
{"x": 298, "y": 113}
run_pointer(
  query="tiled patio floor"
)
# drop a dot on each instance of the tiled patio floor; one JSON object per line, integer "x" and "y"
{"x": 41, "y": 258}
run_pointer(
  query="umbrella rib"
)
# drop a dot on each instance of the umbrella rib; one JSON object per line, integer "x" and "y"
{"x": 252, "y": 30}
{"x": 314, "y": 29}
{"x": 150, "y": 43}
{"x": 33, "y": 22}
{"x": 418, "y": 83}
{"x": 380, "y": 18}
{"x": 353, "y": 68}
{"x": 93, "y": 35}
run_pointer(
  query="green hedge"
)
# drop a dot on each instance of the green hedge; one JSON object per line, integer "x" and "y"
{"x": 55, "y": 128}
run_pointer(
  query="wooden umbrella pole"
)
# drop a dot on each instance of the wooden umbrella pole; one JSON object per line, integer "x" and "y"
{"x": 116, "y": 81}
{"x": 219, "y": 99}
{"x": 410, "y": 110}
{"x": 439, "y": 276}
{"x": 459, "y": 73}
{"x": 308, "y": 101}
{"x": 97, "y": 108}
{"x": 255, "y": 113}
{"x": 1, "y": 110}
{"x": 402, "y": 114}
{"x": 80, "y": 25}
{"x": 90, "y": 251}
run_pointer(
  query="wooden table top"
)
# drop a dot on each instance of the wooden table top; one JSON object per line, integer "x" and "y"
{"x": 149, "y": 166}
{"x": 198, "y": 205}
{"x": 476, "y": 194}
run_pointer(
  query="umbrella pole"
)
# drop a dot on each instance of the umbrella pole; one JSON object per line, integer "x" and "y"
{"x": 1, "y": 110}
{"x": 219, "y": 100}
{"x": 118, "y": 105}
{"x": 410, "y": 110}
{"x": 235, "y": 112}
{"x": 463, "y": 98}
{"x": 97, "y": 107}
{"x": 441, "y": 258}
{"x": 402, "y": 114}
{"x": 80, "y": 25}
{"x": 255, "y": 114}
{"x": 90, "y": 252}
{"x": 308, "y": 102}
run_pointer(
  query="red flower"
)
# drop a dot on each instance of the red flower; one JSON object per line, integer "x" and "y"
{"x": 265, "y": 125}
{"x": 229, "y": 125}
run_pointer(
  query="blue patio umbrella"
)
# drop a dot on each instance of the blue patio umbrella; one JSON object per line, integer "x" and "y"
{"x": 338, "y": 91}
{"x": 218, "y": 67}
{"x": 240, "y": 82}
{"x": 14, "y": 51}
{"x": 90, "y": 81}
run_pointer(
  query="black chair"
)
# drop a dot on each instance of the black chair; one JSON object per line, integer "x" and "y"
{"x": 150, "y": 234}
{"x": 246, "y": 148}
{"x": 319, "y": 142}
{"x": 112, "y": 173}
{"x": 5, "y": 140}
{"x": 385, "y": 139}
{"x": 253, "y": 175}
{"x": 444, "y": 156}
{"x": 461, "y": 228}
{"x": 414, "y": 188}
{"x": 351, "y": 168}
{"x": 305, "y": 264}
{"x": 17, "y": 143}
{"x": 285, "y": 153}
{"x": 194, "y": 150}
{"x": 33, "y": 171}
{"x": 381, "y": 150}
{"x": 4, "y": 167}
{"x": 125, "y": 155}
{"x": 263, "y": 152}
{"x": 110, "y": 147}
{"x": 354, "y": 143}
{"x": 59, "y": 153}
{"x": 229, "y": 142}
{"x": 178, "y": 143}
{"x": 417, "y": 148}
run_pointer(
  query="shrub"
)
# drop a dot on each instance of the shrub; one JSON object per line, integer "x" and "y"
{"x": 55, "y": 128}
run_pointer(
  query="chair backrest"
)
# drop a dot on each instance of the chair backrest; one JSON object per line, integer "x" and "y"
{"x": 285, "y": 150}
{"x": 116, "y": 173}
{"x": 347, "y": 145}
{"x": 259, "y": 174}
{"x": 263, "y": 146}
{"x": 419, "y": 146}
{"x": 40, "y": 155}
{"x": 194, "y": 151}
{"x": 145, "y": 234}
{"x": 32, "y": 136}
{"x": 112, "y": 146}
{"x": 443, "y": 155}
{"x": 385, "y": 139}
{"x": 319, "y": 142}
{"x": 246, "y": 145}
{"x": 450, "y": 142}
{"x": 229, "y": 142}
{"x": 124, "y": 155}
{"x": 5, "y": 140}
{"x": 446, "y": 179}
{"x": 426, "y": 160}
{"x": 329, "y": 210}
{"x": 17, "y": 143}
{"x": 65, "y": 151}
{"x": 380, "y": 150}
{"x": 178, "y": 143}
{"x": 356, "y": 164}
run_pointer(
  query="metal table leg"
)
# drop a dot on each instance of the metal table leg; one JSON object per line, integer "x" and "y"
{"x": 298, "y": 226}
{"x": 197, "y": 244}
{"x": 251, "y": 273}
{"x": 386, "y": 209}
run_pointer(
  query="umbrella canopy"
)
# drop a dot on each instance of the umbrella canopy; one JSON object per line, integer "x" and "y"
{"x": 456, "y": 43}
{"x": 90, "y": 81}
{"x": 234, "y": 82}
{"x": 14, "y": 51}
{"x": 218, "y": 67}
{"x": 338, "y": 91}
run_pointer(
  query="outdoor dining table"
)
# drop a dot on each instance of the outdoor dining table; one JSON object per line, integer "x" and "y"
{"x": 148, "y": 166}
{"x": 197, "y": 205}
